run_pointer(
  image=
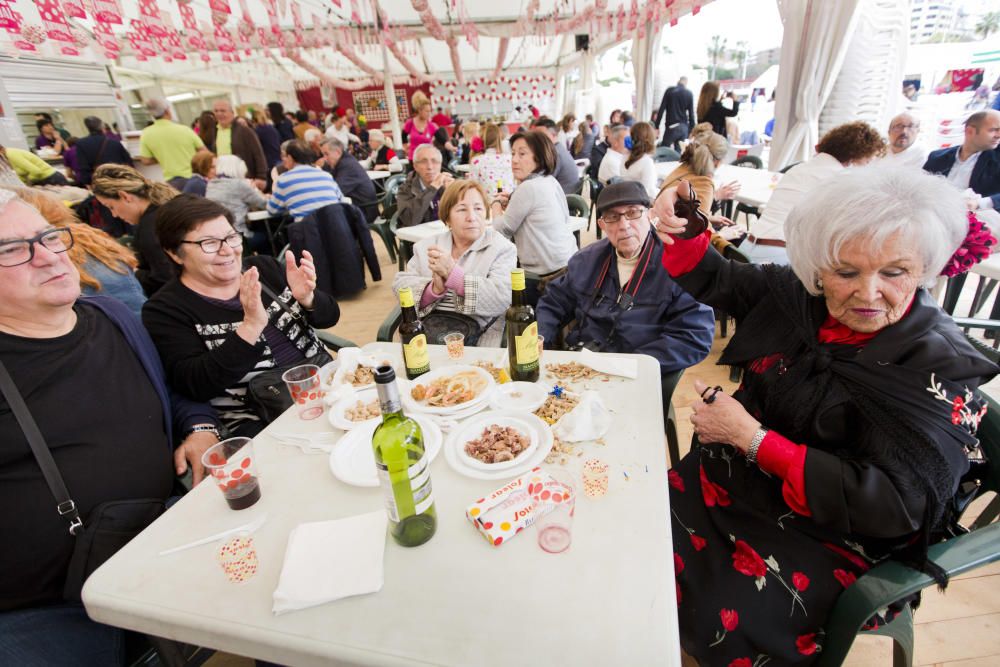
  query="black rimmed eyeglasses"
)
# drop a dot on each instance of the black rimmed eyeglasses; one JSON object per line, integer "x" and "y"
{"x": 22, "y": 251}
{"x": 212, "y": 246}
{"x": 614, "y": 217}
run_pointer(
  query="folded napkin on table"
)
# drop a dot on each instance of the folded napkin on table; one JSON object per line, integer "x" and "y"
{"x": 589, "y": 420}
{"x": 330, "y": 560}
{"x": 610, "y": 365}
{"x": 348, "y": 359}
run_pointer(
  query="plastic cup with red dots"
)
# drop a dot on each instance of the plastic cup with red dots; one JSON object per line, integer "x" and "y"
{"x": 306, "y": 389}
{"x": 555, "y": 505}
{"x": 231, "y": 465}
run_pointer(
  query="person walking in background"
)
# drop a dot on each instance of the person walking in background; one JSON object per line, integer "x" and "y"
{"x": 232, "y": 138}
{"x": 281, "y": 122}
{"x": 269, "y": 137}
{"x": 169, "y": 144}
{"x": 97, "y": 148}
{"x": 677, "y": 112}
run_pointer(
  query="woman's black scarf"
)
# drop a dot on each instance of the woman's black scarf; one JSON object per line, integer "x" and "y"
{"x": 919, "y": 426}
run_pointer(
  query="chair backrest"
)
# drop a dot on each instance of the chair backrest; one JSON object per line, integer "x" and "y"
{"x": 615, "y": 179}
{"x": 578, "y": 206}
{"x": 665, "y": 154}
{"x": 749, "y": 162}
{"x": 989, "y": 441}
{"x": 389, "y": 325}
{"x": 785, "y": 170}
{"x": 389, "y": 198}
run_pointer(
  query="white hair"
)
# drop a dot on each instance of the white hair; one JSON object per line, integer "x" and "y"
{"x": 6, "y": 197}
{"x": 425, "y": 147}
{"x": 873, "y": 204}
{"x": 156, "y": 107}
{"x": 312, "y": 134}
{"x": 230, "y": 166}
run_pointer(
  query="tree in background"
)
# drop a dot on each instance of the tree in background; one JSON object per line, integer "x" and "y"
{"x": 716, "y": 51}
{"x": 989, "y": 24}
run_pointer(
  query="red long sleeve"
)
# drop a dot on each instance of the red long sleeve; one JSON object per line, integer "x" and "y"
{"x": 780, "y": 456}
{"x": 685, "y": 254}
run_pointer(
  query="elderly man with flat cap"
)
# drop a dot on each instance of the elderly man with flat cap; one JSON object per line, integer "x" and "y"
{"x": 620, "y": 299}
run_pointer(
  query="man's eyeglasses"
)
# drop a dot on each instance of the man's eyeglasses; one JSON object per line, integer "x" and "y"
{"x": 22, "y": 251}
{"x": 212, "y": 246}
{"x": 897, "y": 128}
{"x": 614, "y": 217}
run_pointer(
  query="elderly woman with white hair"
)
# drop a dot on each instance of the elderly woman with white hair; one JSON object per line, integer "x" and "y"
{"x": 231, "y": 188}
{"x": 855, "y": 421}
{"x": 382, "y": 157}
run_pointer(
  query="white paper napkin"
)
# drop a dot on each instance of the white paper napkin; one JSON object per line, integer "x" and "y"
{"x": 330, "y": 560}
{"x": 611, "y": 365}
{"x": 589, "y": 420}
{"x": 348, "y": 359}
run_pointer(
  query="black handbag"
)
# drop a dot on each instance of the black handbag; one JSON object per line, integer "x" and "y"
{"x": 440, "y": 323}
{"x": 109, "y": 526}
{"x": 267, "y": 393}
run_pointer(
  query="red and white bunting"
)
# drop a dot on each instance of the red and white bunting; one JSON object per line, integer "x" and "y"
{"x": 10, "y": 20}
{"x": 108, "y": 12}
{"x": 74, "y": 9}
{"x": 53, "y": 20}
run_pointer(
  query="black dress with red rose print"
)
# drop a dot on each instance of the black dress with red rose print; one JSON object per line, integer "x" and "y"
{"x": 759, "y": 564}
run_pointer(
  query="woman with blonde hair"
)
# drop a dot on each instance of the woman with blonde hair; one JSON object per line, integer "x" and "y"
{"x": 419, "y": 128}
{"x": 132, "y": 197}
{"x": 584, "y": 142}
{"x": 106, "y": 267}
{"x": 712, "y": 111}
{"x": 472, "y": 143}
{"x": 701, "y": 157}
{"x": 639, "y": 164}
{"x": 492, "y": 169}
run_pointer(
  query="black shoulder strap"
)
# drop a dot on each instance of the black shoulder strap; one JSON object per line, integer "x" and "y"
{"x": 284, "y": 306}
{"x": 65, "y": 506}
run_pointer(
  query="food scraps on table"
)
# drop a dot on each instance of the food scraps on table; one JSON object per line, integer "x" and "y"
{"x": 361, "y": 376}
{"x": 497, "y": 444}
{"x": 499, "y": 373}
{"x": 456, "y": 389}
{"x": 555, "y": 406}
{"x": 362, "y": 411}
{"x": 573, "y": 371}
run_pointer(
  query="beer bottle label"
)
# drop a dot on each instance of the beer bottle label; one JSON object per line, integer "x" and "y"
{"x": 526, "y": 348}
{"x": 415, "y": 355}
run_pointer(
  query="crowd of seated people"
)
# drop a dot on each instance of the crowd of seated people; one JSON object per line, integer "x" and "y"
{"x": 195, "y": 307}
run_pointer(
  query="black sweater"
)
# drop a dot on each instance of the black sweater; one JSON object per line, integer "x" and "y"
{"x": 204, "y": 357}
{"x": 717, "y": 115}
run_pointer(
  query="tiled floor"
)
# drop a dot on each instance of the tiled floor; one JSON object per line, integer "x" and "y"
{"x": 959, "y": 628}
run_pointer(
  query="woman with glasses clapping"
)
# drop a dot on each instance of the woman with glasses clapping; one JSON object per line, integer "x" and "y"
{"x": 216, "y": 326}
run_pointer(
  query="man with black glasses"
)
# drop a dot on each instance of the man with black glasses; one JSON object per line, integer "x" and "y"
{"x": 618, "y": 296}
{"x": 91, "y": 380}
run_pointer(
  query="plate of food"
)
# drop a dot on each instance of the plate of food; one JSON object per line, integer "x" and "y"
{"x": 354, "y": 410}
{"x": 495, "y": 442}
{"x": 448, "y": 390}
{"x": 498, "y": 444}
{"x": 352, "y": 460}
{"x": 526, "y": 396}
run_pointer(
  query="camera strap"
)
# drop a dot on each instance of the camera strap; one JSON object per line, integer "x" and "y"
{"x": 626, "y": 296}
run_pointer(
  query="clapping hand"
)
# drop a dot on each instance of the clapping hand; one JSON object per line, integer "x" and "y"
{"x": 443, "y": 179}
{"x": 440, "y": 262}
{"x": 254, "y": 313}
{"x": 301, "y": 277}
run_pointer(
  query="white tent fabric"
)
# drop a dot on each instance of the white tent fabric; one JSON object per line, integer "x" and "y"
{"x": 644, "y": 50}
{"x": 868, "y": 87}
{"x": 816, "y": 38}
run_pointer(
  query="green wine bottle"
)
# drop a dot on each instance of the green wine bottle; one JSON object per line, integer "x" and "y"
{"x": 403, "y": 467}
{"x": 522, "y": 333}
{"x": 411, "y": 332}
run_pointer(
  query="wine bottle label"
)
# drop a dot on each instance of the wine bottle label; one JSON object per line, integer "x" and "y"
{"x": 526, "y": 348}
{"x": 415, "y": 355}
{"x": 406, "y": 297}
{"x": 418, "y": 488}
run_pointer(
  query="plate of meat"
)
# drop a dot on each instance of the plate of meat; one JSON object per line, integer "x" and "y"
{"x": 498, "y": 444}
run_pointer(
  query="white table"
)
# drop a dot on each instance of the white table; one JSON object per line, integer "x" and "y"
{"x": 756, "y": 185}
{"x": 463, "y": 168}
{"x": 376, "y": 175}
{"x": 429, "y": 229}
{"x": 608, "y": 600}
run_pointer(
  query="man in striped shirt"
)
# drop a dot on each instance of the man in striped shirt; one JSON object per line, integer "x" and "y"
{"x": 303, "y": 188}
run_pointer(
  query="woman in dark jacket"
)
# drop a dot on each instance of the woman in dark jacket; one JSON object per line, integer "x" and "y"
{"x": 215, "y": 326}
{"x": 711, "y": 110}
{"x": 855, "y": 420}
{"x": 270, "y": 139}
{"x": 281, "y": 122}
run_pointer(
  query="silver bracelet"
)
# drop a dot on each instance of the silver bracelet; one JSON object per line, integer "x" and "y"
{"x": 205, "y": 428}
{"x": 758, "y": 438}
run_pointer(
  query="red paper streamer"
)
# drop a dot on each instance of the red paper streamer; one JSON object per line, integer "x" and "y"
{"x": 53, "y": 20}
